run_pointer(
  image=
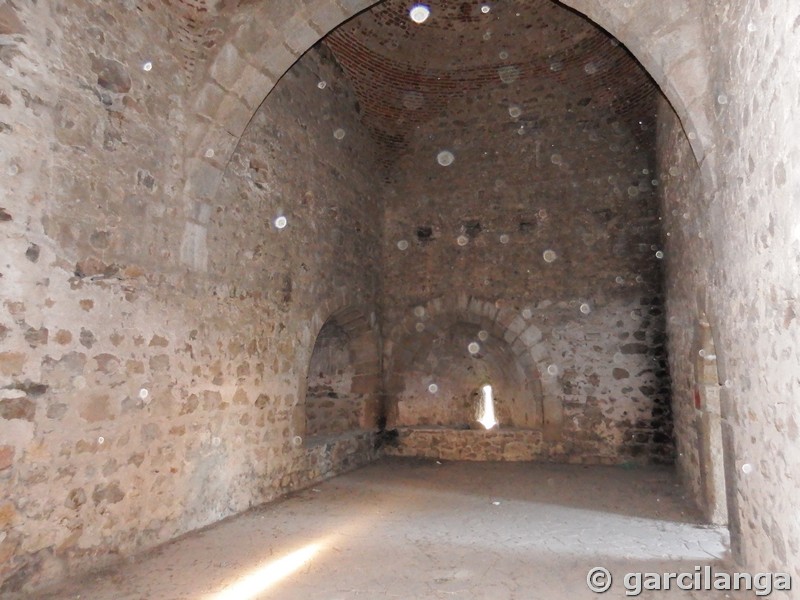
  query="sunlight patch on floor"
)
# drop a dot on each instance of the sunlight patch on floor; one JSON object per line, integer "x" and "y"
{"x": 267, "y": 575}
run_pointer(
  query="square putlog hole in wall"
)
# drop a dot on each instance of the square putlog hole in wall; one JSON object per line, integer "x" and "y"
{"x": 472, "y": 228}
{"x": 425, "y": 234}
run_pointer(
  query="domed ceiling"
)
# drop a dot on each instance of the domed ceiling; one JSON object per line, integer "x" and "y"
{"x": 406, "y": 73}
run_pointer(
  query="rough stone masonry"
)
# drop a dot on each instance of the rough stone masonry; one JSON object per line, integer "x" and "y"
{"x": 566, "y": 201}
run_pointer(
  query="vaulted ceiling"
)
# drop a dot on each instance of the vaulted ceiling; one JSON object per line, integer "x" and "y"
{"x": 406, "y": 74}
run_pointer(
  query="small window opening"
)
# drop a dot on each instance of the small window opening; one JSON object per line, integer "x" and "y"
{"x": 486, "y": 415}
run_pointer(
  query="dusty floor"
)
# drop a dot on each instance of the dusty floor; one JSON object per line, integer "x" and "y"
{"x": 409, "y": 529}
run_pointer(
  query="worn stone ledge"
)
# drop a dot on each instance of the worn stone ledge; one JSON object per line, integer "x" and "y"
{"x": 468, "y": 444}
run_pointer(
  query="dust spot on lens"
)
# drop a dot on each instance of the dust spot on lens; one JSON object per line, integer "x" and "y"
{"x": 445, "y": 158}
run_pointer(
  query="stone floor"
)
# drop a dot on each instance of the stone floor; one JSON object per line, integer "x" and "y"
{"x": 409, "y": 529}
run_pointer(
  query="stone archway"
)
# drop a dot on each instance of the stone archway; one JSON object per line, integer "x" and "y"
{"x": 669, "y": 41}
{"x": 665, "y": 39}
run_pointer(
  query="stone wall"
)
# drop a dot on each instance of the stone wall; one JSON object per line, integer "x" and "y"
{"x": 733, "y": 255}
{"x": 688, "y": 255}
{"x": 156, "y": 326}
{"x": 594, "y": 392}
{"x": 139, "y": 399}
{"x": 465, "y": 444}
{"x": 519, "y": 188}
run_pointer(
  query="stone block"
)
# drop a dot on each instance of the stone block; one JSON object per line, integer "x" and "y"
{"x": 227, "y": 67}
{"x": 6, "y": 457}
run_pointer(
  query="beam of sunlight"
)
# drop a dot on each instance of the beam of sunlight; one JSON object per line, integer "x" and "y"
{"x": 267, "y": 575}
{"x": 487, "y": 416}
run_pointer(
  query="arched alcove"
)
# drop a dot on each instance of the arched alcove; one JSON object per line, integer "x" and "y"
{"x": 569, "y": 99}
{"x": 331, "y": 408}
{"x": 568, "y": 95}
{"x": 342, "y": 382}
{"x": 439, "y": 383}
{"x": 437, "y": 363}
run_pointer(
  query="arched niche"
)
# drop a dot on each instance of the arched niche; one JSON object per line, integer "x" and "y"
{"x": 342, "y": 391}
{"x": 440, "y": 373}
{"x": 528, "y": 351}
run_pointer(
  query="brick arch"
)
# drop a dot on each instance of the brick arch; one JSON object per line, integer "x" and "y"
{"x": 364, "y": 354}
{"x": 507, "y": 324}
{"x": 267, "y": 38}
